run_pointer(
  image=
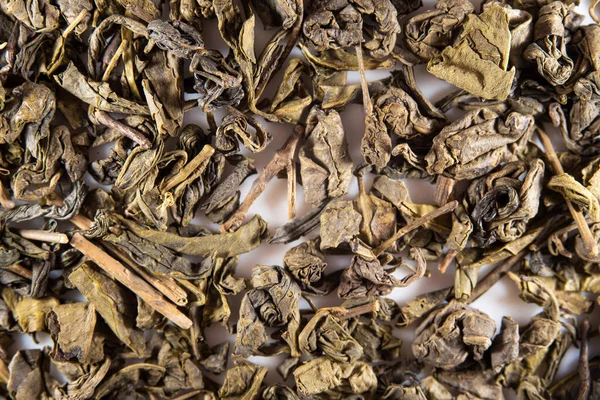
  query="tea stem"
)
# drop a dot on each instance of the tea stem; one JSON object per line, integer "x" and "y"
{"x": 346, "y": 313}
{"x": 448, "y": 258}
{"x": 105, "y": 119}
{"x": 446, "y": 208}
{"x": 363, "y": 81}
{"x": 193, "y": 167}
{"x": 584, "y": 366}
{"x": 4, "y": 373}
{"x": 43, "y": 236}
{"x": 495, "y": 275}
{"x": 5, "y": 199}
{"x": 281, "y": 160}
{"x": 291, "y": 189}
{"x": 74, "y": 24}
{"x": 165, "y": 284}
{"x": 444, "y": 190}
{"x": 20, "y": 270}
{"x": 586, "y": 234}
{"x": 131, "y": 281}
{"x": 114, "y": 60}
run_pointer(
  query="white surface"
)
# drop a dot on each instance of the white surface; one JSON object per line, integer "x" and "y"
{"x": 501, "y": 300}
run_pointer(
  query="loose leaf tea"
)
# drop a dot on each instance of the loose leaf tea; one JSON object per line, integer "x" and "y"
{"x": 131, "y": 243}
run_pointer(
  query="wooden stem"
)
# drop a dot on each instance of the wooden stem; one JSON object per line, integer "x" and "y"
{"x": 5, "y": 200}
{"x": 495, "y": 275}
{"x": 368, "y": 106}
{"x": 346, "y": 313}
{"x": 165, "y": 284}
{"x": 448, "y": 258}
{"x": 584, "y": 230}
{"x": 291, "y": 189}
{"x": 114, "y": 60}
{"x": 444, "y": 190}
{"x": 131, "y": 281}
{"x": 20, "y": 270}
{"x": 43, "y": 236}
{"x": 191, "y": 167}
{"x": 280, "y": 161}
{"x": 105, "y": 119}
{"x": 446, "y": 208}
{"x": 584, "y": 363}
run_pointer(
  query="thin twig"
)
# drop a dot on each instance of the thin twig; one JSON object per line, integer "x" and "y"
{"x": 368, "y": 106}
{"x": 279, "y": 162}
{"x": 165, "y": 284}
{"x": 444, "y": 190}
{"x": 5, "y": 199}
{"x": 446, "y": 208}
{"x": 114, "y": 60}
{"x": 590, "y": 244}
{"x": 191, "y": 167}
{"x": 346, "y": 313}
{"x": 104, "y": 118}
{"x": 584, "y": 366}
{"x": 131, "y": 281}
{"x": 43, "y": 236}
{"x": 20, "y": 270}
{"x": 495, "y": 275}
{"x": 447, "y": 260}
{"x": 291, "y": 189}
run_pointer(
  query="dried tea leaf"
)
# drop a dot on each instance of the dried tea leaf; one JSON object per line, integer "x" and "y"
{"x": 325, "y": 165}
{"x": 477, "y": 143}
{"x": 97, "y": 94}
{"x": 502, "y": 203}
{"x": 452, "y": 333}
{"x": 478, "y": 61}
{"x": 226, "y": 245}
{"x": 339, "y": 223}
{"x": 271, "y": 303}
{"x": 243, "y": 381}
{"x": 72, "y": 329}
{"x": 324, "y": 376}
{"x": 549, "y": 50}
{"x": 430, "y": 32}
{"x": 113, "y": 303}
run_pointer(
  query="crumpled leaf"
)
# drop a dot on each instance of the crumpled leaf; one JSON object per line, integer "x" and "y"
{"x": 243, "y": 381}
{"x": 97, "y": 94}
{"x": 501, "y": 203}
{"x": 113, "y": 303}
{"x": 325, "y": 165}
{"x": 477, "y": 143}
{"x": 581, "y": 129}
{"x": 575, "y": 192}
{"x": 339, "y": 223}
{"x": 332, "y": 24}
{"x": 452, "y": 333}
{"x": 326, "y": 334}
{"x": 367, "y": 277}
{"x": 549, "y": 50}
{"x": 334, "y": 379}
{"x": 271, "y": 303}
{"x": 478, "y": 61}
{"x": 430, "y": 32}
{"x": 72, "y": 329}
{"x": 226, "y": 245}
{"x": 307, "y": 265}
{"x": 234, "y": 127}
